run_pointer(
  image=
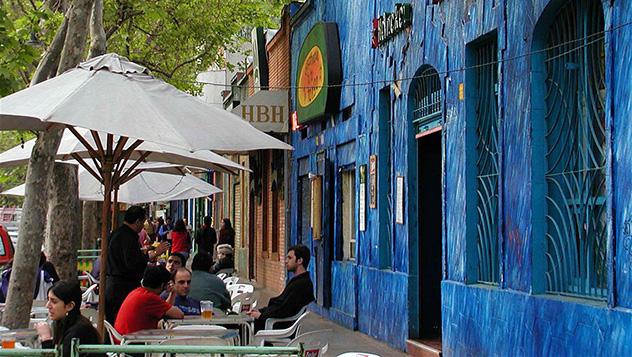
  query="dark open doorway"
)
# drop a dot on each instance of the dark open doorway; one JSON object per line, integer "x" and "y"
{"x": 430, "y": 222}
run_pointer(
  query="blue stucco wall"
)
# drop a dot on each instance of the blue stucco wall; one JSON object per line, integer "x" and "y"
{"x": 484, "y": 321}
{"x": 476, "y": 320}
{"x": 516, "y": 318}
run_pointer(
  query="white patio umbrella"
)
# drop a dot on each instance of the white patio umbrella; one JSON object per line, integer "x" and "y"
{"x": 72, "y": 148}
{"x": 112, "y": 95}
{"x": 145, "y": 187}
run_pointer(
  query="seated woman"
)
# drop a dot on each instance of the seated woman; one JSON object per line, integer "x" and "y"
{"x": 64, "y": 302}
{"x": 207, "y": 286}
{"x": 224, "y": 259}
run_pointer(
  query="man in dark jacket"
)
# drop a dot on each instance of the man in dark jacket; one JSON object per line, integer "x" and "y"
{"x": 298, "y": 292}
{"x": 126, "y": 261}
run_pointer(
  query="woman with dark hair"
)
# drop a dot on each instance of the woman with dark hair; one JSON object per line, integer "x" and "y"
{"x": 64, "y": 302}
{"x": 180, "y": 239}
{"x": 226, "y": 233}
{"x": 206, "y": 237}
{"x": 207, "y": 286}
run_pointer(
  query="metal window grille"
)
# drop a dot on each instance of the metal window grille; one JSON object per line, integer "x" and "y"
{"x": 427, "y": 101}
{"x": 576, "y": 152}
{"x": 487, "y": 162}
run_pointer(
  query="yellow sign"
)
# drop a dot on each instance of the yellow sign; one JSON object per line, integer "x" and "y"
{"x": 311, "y": 78}
{"x": 461, "y": 91}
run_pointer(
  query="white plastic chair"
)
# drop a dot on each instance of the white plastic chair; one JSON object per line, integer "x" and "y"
{"x": 197, "y": 341}
{"x": 357, "y": 354}
{"x": 243, "y": 302}
{"x": 231, "y": 280}
{"x": 90, "y": 296}
{"x": 315, "y": 343}
{"x": 222, "y": 275}
{"x": 237, "y": 289}
{"x": 112, "y": 333}
{"x": 281, "y": 335}
{"x": 271, "y": 321}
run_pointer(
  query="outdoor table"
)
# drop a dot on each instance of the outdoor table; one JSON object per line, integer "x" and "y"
{"x": 160, "y": 335}
{"x": 245, "y": 322}
{"x": 26, "y": 336}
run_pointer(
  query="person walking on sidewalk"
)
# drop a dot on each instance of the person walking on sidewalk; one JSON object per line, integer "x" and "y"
{"x": 298, "y": 292}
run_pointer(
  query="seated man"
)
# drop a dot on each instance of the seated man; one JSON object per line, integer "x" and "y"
{"x": 298, "y": 292}
{"x": 175, "y": 261}
{"x": 143, "y": 308}
{"x": 224, "y": 259}
{"x": 207, "y": 286}
{"x": 177, "y": 295}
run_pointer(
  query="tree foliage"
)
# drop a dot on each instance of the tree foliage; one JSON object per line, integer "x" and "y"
{"x": 175, "y": 39}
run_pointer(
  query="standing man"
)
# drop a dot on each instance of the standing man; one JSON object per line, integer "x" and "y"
{"x": 298, "y": 292}
{"x": 126, "y": 261}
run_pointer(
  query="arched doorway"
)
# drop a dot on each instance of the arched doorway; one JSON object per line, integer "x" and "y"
{"x": 425, "y": 197}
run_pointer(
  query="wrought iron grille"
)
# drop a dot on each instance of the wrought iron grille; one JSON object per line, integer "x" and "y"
{"x": 576, "y": 152}
{"x": 487, "y": 161}
{"x": 427, "y": 100}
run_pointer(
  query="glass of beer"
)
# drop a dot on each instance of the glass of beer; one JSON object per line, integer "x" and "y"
{"x": 206, "y": 307}
{"x": 8, "y": 341}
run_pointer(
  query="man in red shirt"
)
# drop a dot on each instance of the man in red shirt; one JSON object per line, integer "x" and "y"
{"x": 143, "y": 308}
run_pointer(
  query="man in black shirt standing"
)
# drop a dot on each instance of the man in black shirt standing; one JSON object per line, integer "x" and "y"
{"x": 298, "y": 292}
{"x": 126, "y": 261}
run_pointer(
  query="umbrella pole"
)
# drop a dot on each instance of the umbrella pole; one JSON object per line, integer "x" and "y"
{"x": 115, "y": 207}
{"x": 105, "y": 215}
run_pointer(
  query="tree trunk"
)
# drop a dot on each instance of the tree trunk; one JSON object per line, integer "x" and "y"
{"x": 90, "y": 230}
{"x": 97, "y": 33}
{"x": 31, "y": 233}
{"x": 77, "y": 34}
{"x": 32, "y": 224}
{"x": 48, "y": 65}
{"x": 64, "y": 220}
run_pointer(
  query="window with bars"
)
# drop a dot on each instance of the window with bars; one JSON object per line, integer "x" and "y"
{"x": 575, "y": 151}
{"x": 427, "y": 100}
{"x": 484, "y": 154}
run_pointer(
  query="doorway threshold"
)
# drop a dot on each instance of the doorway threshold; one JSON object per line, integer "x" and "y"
{"x": 424, "y": 347}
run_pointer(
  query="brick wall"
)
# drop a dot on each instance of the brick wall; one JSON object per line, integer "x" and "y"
{"x": 270, "y": 266}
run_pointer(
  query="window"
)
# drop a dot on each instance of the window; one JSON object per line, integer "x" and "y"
{"x": 483, "y": 154}
{"x": 348, "y": 214}
{"x": 572, "y": 160}
{"x": 426, "y": 94}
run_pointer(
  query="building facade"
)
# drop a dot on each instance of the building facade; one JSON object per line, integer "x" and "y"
{"x": 469, "y": 182}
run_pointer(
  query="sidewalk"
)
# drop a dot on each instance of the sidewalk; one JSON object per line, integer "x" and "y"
{"x": 342, "y": 339}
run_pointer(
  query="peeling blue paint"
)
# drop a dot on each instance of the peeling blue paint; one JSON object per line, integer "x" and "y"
{"x": 510, "y": 319}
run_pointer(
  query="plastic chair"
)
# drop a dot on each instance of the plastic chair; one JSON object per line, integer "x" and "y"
{"x": 270, "y": 322}
{"x": 357, "y": 354}
{"x": 197, "y": 341}
{"x": 280, "y": 335}
{"x": 115, "y": 336}
{"x": 231, "y": 280}
{"x": 315, "y": 343}
{"x": 238, "y": 289}
{"x": 222, "y": 275}
{"x": 91, "y": 295}
{"x": 243, "y": 302}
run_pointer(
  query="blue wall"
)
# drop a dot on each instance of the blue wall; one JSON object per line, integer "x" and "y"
{"x": 477, "y": 320}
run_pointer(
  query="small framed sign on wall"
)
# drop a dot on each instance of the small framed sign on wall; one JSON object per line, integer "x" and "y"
{"x": 373, "y": 181}
{"x": 362, "y": 199}
{"x": 399, "y": 214}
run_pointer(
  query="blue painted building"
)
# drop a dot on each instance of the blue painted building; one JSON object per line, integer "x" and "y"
{"x": 471, "y": 184}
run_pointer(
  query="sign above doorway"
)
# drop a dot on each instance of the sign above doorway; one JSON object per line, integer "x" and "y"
{"x": 390, "y": 24}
